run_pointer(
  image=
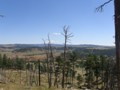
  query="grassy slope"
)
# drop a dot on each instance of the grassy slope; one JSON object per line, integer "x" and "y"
{"x": 13, "y": 82}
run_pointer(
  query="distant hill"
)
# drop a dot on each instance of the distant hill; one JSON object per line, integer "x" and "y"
{"x": 82, "y": 49}
{"x": 20, "y": 46}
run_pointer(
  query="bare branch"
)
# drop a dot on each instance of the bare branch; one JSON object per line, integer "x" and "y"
{"x": 44, "y": 42}
{"x": 50, "y": 46}
{"x": 100, "y": 8}
{"x": 46, "y": 51}
{"x": 70, "y": 35}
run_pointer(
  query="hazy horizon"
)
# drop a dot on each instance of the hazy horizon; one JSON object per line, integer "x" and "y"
{"x": 51, "y": 43}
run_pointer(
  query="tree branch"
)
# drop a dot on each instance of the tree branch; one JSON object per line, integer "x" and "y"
{"x": 100, "y": 8}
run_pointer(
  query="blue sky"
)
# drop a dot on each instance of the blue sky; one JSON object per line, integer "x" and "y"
{"x": 29, "y": 21}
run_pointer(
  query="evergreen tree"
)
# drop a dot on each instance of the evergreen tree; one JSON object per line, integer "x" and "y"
{"x": 1, "y": 61}
{"x": 4, "y": 64}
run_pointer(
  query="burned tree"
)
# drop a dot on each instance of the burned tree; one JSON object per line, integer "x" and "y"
{"x": 67, "y": 37}
{"x": 50, "y": 61}
{"x": 117, "y": 35}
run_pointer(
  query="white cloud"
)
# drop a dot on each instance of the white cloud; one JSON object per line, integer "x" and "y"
{"x": 53, "y": 41}
{"x": 57, "y": 34}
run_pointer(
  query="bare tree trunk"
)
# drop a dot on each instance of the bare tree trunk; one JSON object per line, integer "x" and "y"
{"x": 50, "y": 61}
{"x": 39, "y": 73}
{"x": 65, "y": 48}
{"x": 67, "y": 36}
{"x": 56, "y": 76}
{"x": 52, "y": 66}
{"x": 47, "y": 55}
{"x": 72, "y": 74}
{"x": 66, "y": 76}
{"x": 117, "y": 38}
{"x": 20, "y": 76}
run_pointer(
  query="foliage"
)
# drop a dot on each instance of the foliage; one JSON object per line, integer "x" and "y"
{"x": 98, "y": 71}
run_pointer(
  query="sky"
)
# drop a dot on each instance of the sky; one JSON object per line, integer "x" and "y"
{"x": 30, "y": 21}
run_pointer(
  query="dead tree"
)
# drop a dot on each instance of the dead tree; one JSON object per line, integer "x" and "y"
{"x": 67, "y": 37}
{"x": 47, "y": 56}
{"x": 51, "y": 57}
{"x": 117, "y": 35}
{"x": 39, "y": 69}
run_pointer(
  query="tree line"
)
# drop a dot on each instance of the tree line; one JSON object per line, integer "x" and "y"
{"x": 11, "y": 63}
{"x": 93, "y": 71}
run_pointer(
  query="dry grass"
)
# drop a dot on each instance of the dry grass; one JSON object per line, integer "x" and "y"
{"x": 17, "y": 81}
{"x": 13, "y": 82}
{"x": 33, "y": 54}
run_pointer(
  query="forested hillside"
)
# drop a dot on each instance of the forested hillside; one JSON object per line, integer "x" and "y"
{"x": 86, "y": 66}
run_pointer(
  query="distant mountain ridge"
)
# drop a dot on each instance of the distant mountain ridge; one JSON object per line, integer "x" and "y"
{"x": 54, "y": 45}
